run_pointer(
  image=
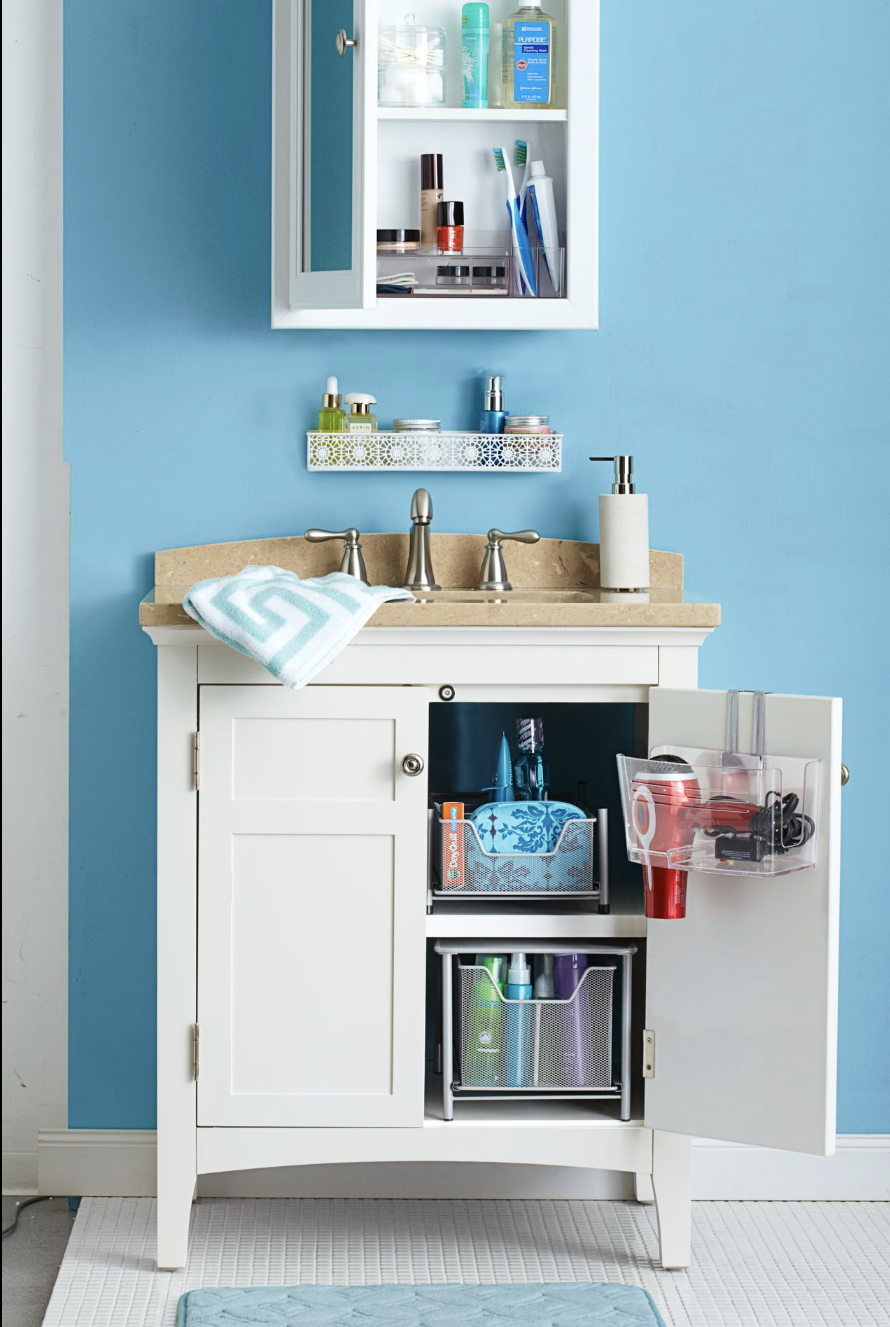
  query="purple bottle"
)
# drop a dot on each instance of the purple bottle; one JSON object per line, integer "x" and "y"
{"x": 568, "y": 969}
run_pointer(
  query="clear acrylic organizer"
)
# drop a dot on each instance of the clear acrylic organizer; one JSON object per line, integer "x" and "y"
{"x": 493, "y": 271}
{"x": 566, "y": 1044}
{"x": 721, "y": 813}
{"x": 466, "y": 869}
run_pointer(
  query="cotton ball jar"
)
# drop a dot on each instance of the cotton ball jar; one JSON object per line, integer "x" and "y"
{"x": 411, "y": 65}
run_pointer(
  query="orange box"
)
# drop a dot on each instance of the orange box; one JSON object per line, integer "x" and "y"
{"x": 452, "y": 845}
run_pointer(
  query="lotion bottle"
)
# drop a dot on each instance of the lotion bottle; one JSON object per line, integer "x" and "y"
{"x": 624, "y": 532}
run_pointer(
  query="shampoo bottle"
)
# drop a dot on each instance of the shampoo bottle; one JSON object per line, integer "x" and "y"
{"x": 485, "y": 1024}
{"x": 528, "y": 71}
{"x": 568, "y": 973}
{"x": 519, "y": 1022}
{"x": 624, "y": 532}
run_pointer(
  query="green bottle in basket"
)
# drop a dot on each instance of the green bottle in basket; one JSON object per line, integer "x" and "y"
{"x": 485, "y": 1024}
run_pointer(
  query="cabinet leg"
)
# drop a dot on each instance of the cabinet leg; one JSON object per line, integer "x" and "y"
{"x": 175, "y": 1194}
{"x": 672, "y": 1185}
{"x": 643, "y": 1191}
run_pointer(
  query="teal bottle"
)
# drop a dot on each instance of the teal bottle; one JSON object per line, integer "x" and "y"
{"x": 519, "y": 1022}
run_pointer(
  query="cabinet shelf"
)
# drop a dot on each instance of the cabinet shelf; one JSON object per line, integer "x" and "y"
{"x": 458, "y": 114}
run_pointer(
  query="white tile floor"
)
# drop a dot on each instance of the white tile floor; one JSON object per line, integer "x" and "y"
{"x": 759, "y": 1264}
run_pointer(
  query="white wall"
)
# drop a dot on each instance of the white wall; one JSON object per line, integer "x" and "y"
{"x": 35, "y": 591}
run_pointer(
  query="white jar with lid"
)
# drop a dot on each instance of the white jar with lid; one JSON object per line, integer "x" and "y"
{"x": 411, "y": 65}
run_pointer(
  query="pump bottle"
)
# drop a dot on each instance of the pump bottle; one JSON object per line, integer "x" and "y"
{"x": 624, "y": 532}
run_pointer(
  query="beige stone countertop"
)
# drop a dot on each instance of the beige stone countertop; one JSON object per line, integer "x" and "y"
{"x": 556, "y": 583}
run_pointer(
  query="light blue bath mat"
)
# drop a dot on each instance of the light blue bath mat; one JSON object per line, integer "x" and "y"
{"x": 570, "y": 1305}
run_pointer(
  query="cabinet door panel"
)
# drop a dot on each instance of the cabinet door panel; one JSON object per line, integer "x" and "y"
{"x": 311, "y": 894}
{"x": 742, "y": 993}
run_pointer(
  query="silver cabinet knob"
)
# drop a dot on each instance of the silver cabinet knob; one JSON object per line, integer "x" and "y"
{"x": 845, "y": 775}
{"x": 344, "y": 42}
{"x": 412, "y": 765}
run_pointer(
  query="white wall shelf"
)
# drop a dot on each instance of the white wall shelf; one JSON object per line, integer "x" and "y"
{"x": 490, "y": 453}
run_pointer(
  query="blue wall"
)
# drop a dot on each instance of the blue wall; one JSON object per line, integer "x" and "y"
{"x": 744, "y": 324}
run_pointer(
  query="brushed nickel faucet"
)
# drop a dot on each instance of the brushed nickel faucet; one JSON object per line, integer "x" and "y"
{"x": 494, "y": 573}
{"x": 419, "y": 572}
{"x": 352, "y": 562}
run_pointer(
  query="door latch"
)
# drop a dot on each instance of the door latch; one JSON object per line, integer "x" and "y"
{"x": 648, "y": 1053}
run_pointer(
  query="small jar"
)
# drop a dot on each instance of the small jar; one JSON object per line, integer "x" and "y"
{"x": 527, "y": 424}
{"x": 450, "y": 233}
{"x": 397, "y": 241}
{"x": 490, "y": 277}
{"x": 416, "y": 425}
{"x": 453, "y": 275}
{"x": 411, "y": 65}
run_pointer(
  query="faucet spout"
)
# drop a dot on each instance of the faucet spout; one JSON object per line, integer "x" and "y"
{"x": 419, "y": 572}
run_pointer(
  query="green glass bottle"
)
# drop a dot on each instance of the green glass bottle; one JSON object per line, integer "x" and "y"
{"x": 485, "y": 1023}
{"x": 331, "y": 414}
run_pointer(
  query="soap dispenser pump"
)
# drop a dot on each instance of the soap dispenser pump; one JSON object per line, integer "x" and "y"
{"x": 624, "y": 532}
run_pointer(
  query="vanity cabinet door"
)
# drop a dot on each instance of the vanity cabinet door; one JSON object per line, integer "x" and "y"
{"x": 312, "y": 865}
{"x": 321, "y": 141}
{"x": 742, "y": 993}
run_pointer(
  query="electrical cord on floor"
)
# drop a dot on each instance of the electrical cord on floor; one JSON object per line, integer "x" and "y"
{"x": 19, "y": 1208}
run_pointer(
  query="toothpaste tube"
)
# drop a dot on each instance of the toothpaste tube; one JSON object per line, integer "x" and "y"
{"x": 452, "y": 845}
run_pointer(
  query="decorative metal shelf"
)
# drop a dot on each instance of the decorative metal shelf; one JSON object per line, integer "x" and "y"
{"x": 489, "y": 452}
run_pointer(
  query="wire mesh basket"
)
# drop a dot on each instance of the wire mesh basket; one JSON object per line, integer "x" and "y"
{"x": 465, "y": 867}
{"x": 533, "y": 1045}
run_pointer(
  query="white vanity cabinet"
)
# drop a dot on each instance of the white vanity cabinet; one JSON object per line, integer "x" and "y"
{"x": 293, "y": 922}
{"x": 344, "y": 166}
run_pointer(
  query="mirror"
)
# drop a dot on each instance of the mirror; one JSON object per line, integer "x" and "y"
{"x": 327, "y": 133}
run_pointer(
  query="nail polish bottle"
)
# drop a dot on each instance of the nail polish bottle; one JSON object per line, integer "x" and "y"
{"x": 451, "y": 227}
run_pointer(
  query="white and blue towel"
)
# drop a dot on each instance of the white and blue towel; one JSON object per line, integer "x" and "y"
{"x": 293, "y": 627}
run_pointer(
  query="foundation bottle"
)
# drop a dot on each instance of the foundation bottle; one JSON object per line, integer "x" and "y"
{"x": 432, "y": 192}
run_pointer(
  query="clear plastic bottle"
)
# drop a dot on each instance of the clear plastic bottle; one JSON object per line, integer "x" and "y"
{"x": 528, "y": 65}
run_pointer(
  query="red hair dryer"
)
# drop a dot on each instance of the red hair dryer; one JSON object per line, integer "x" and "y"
{"x": 667, "y": 809}
{"x": 664, "y": 796}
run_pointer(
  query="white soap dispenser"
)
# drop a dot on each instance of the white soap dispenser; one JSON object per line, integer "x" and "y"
{"x": 624, "y": 533}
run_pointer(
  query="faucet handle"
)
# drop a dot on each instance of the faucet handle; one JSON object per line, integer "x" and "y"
{"x": 521, "y": 536}
{"x": 352, "y": 564}
{"x": 494, "y": 573}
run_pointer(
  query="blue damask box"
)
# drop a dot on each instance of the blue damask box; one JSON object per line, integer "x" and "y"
{"x": 519, "y": 848}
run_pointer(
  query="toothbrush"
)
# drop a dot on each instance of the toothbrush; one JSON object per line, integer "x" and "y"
{"x": 522, "y": 159}
{"x": 523, "y": 164}
{"x": 522, "y": 248}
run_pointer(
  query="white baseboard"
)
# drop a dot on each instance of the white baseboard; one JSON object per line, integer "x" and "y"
{"x": 121, "y": 1163}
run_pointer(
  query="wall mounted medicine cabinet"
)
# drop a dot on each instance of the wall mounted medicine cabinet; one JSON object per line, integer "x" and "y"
{"x": 346, "y": 162}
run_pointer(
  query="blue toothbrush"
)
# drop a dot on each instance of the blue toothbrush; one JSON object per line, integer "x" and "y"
{"x": 521, "y": 245}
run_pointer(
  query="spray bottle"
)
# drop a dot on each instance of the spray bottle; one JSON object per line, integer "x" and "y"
{"x": 519, "y": 1022}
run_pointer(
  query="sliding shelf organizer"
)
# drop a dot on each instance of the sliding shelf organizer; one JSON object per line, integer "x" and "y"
{"x": 568, "y": 1044}
{"x": 721, "y": 813}
{"x": 489, "y": 452}
{"x": 466, "y": 869}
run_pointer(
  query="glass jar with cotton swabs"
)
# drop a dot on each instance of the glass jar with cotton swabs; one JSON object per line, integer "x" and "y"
{"x": 411, "y": 65}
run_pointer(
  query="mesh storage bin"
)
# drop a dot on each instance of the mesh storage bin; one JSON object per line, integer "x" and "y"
{"x": 466, "y": 868}
{"x": 509, "y": 1045}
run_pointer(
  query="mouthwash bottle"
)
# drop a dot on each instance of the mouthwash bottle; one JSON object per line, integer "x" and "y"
{"x": 528, "y": 72}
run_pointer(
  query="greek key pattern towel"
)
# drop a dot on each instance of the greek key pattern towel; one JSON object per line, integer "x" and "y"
{"x": 293, "y": 627}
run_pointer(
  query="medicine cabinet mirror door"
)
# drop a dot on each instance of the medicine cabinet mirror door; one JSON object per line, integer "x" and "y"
{"x": 311, "y": 906}
{"x": 742, "y": 993}
{"x": 320, "y": 70}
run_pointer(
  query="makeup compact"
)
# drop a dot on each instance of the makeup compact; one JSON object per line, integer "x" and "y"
{"x": 397, "y": 241}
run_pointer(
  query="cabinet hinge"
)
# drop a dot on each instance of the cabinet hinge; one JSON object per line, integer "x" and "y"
{"x": 196, "y": 1050}
{"x": 196, "y": 761}
{"x": 648, "y": 1053}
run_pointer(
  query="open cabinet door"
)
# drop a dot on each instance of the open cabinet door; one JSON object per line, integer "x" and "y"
{"x": 742, "y": 993}
{"x": 322, "y": 141}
